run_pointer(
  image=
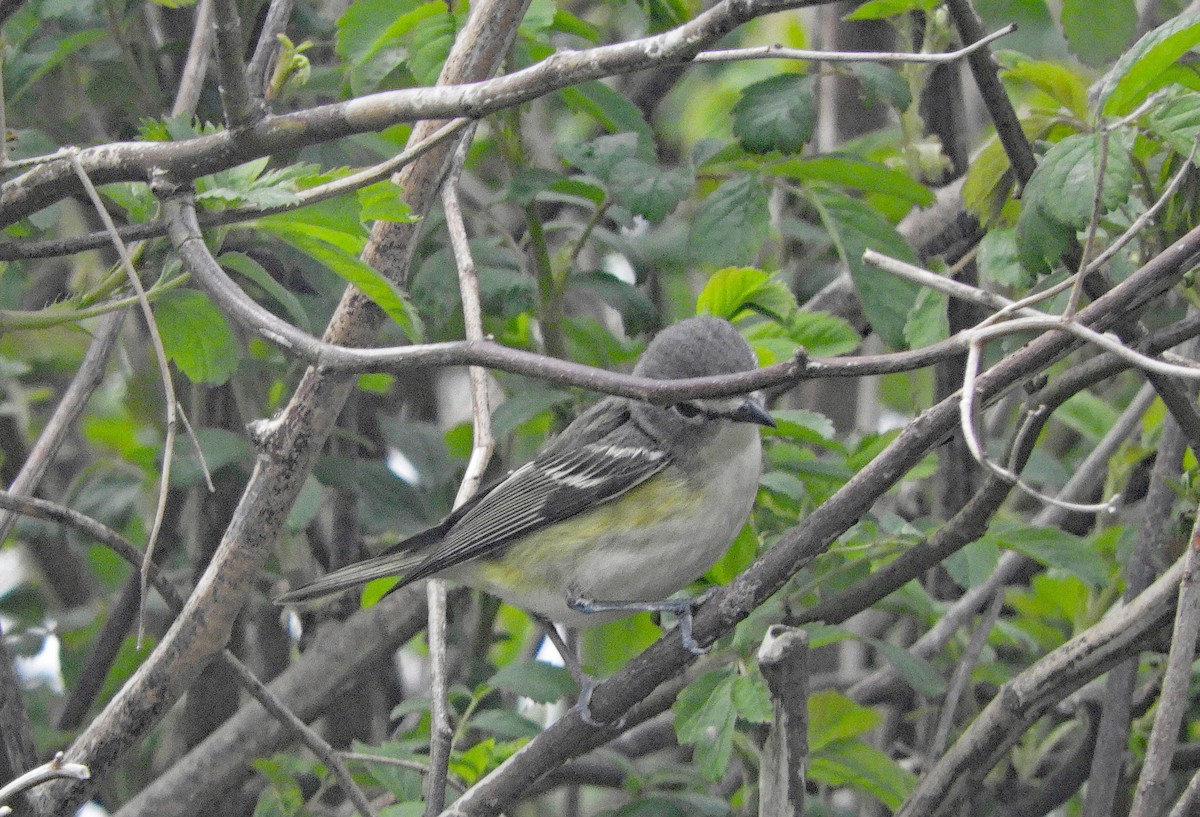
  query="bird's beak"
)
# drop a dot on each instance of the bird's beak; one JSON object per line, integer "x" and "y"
{"x": 752, "y": 410}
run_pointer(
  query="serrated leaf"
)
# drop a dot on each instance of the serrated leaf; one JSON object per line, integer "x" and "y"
{"x": 196, "y": 336}
{"x": 998, "y": 260}
{"x": 1097, "y": 31}
{"x": 373, "y": 37}
{"x": 778, "y": 113}
{"x": 881, "y": 82}
{"x": 927, "y": 321}
{"x": 752, "y": 699}
{"x": 535, "y": 680}
{"x": 648, "y": 190}
{"x": 1057, "y": 81}
{"x": 597, "y": 157}
{"x": 863, "y": 767}
{"x": 734, "y": 291}
{"x": 1177, "y": 122}
{"x": 1055, "y": 548}
{"x": 803, "y": 425}
{"x": 855, "y": 227}
{"x": 247, "y": 267}
{"x": 1058, "y": 199}
{"x": 918, "y": 672}
{"x": 432, "y": 37}
{"x": 732, "y": 225}
{"x": 832, "y": 717}
{"x": 614, "y": 112}
{"x": 386, "y": 295}
{"x": 705, "y": 718}
{"x": 1140, "y": 70}
{"x": 859, "y": 174}
{"x": 384, "y": 201}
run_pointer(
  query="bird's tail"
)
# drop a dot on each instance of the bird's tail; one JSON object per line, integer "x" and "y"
{"x": 387, "y": 564}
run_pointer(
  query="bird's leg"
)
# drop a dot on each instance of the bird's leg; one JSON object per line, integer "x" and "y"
{"x": 586, "y": 682}
{"x": 682, "y": 609}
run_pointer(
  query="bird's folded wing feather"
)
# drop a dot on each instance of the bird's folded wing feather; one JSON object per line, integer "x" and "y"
{"x": 577, "y": 472}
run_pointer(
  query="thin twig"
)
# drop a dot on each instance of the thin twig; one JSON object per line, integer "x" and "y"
{"x": 1093, "y": 224}
{"x": 441, "y": 733}
{"x": 196, "y": 66}
{"x": 962, "y": 675}
{"x": 51, "y": 770}
{"x": 164, "y": 371}
{"x": 400, "y": 763}
{"x": 779, "y": 52}
{"x": 1150, "y": 795}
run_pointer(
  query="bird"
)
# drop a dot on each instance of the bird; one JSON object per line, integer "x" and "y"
{"x": 628, "y": 505}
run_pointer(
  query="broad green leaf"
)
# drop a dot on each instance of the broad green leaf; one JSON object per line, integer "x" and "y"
{"x": 862, "y": 766}
{"x": 998, "y": 259}
{"x": 879, "y": 82}
{"x": 539, "y": 16}
{"x": 918, "y": 672}
{"x": 63, "y": 49}
{"x": 384, "y": 201}
{"x": 1057, "y": 81}
{"x": 650, "y": 191}
{"x": 833, "y": 717}
{"x": 733, "y": 291}
{"x": 705, "y": 718}
{"x": 1055, "y": 548}
{"x": 927, "y": 321}
{"x": 1145, "y": 67}
{"x": 535, "y": 680}
{"x": 803, "y": 425}
{"x": 752, "y": 699}
{"x": 306, "y": 505}
{"x": 859, "y": 174}
{"x": 1098, "y": 30}
{"x": 737, "y": 558}
{"x": 988, "y": 182}
{"x": 855, "y": 228}
{"x": 373, "y": 36}
{"x": 781, "y": 482}
{"x": 777, "y": 113}
{"x": 597, "y": 157}
{"x": 732, "y": 225}
{"x": 823, "y": 334}
{"x": 1089, "y": 415}
{"x": 636, "y": 308}
{"x": 247, "y": 267}
{"x": 1177, "y": 122}
{"x": 883, "y": 9}
{"x": 386, "y": 295}
{"x": 431, "y": 39}
{"x": 220, "y": 447}
{"x": 614, "y": 112}
{"x": 1058, "y": 199}
{"x": 196, "y": 336}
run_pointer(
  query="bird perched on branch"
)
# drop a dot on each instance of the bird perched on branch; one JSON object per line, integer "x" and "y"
{"x": 631, "y": 503}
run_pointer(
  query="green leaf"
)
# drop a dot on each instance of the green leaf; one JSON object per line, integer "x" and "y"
{"x": 804, "y": 426}
{"x": 705, "y": 718}
{"x": 778, "y": 113}
{"x": 858, "y": 174}
{"x": 752, "y": 699}
{"x": 854, "y": 228}
{"x": 881, "y": 82}
{"x": 1177, "y": 122}
{"x": 1098, "y": 30}
{"x": 637, "y": 310}
{"x": 598, "y": 157}
{"x": 823, "y": 334}
{"x": 1089, "y": 415}
{"x": 883, "y": 9}
{"x": 862, "y": 766}
{"x": 988, "y": 182}
{"x": 432, "y": 37}
{"x": 1057, "y": 202}
{"x": 732, "y": 225}
{"x": 1057, "y": 81}
{"x": 386, "y": 295}
{"x": 372, "y": 36}
{"x": 918, "y": 672}
{"x": 535, "y": 680}
{"x": 927, "y": 321}
{"x": 1053, "y": 547}
{"x": 1145, "y": 67}
{"x": 614, "y": 112}
{"x": 220, "y": 447}
{"x": 832, "y": 717}
{"x": 998, "y": 259}
{"x": 735, "y": 290}
{"x": 63, "y": 49}
{"x": 384, "y": 201}
{"x": 247, "y": 267}
{"x": 737, "y": 558}
{"x": 648, "y": 190}
{"x": 196, "y": 337}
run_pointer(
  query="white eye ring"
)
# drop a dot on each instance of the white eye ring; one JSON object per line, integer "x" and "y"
{"x": 688, "y": 411}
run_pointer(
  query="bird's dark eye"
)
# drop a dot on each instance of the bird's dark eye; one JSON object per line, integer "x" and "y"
{"x": 687, "y": 410}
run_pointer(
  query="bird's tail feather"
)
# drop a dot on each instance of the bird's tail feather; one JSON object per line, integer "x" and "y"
{"x": 388, "y": 564}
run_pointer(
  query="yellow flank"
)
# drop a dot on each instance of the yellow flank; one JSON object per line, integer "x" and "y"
{"x": 529, "y": 563}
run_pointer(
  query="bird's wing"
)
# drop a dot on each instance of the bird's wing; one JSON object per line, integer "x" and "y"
{"x": 598, "y": 458}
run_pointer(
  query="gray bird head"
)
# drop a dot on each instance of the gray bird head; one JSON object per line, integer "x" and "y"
{"x": 698, "y": 347}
